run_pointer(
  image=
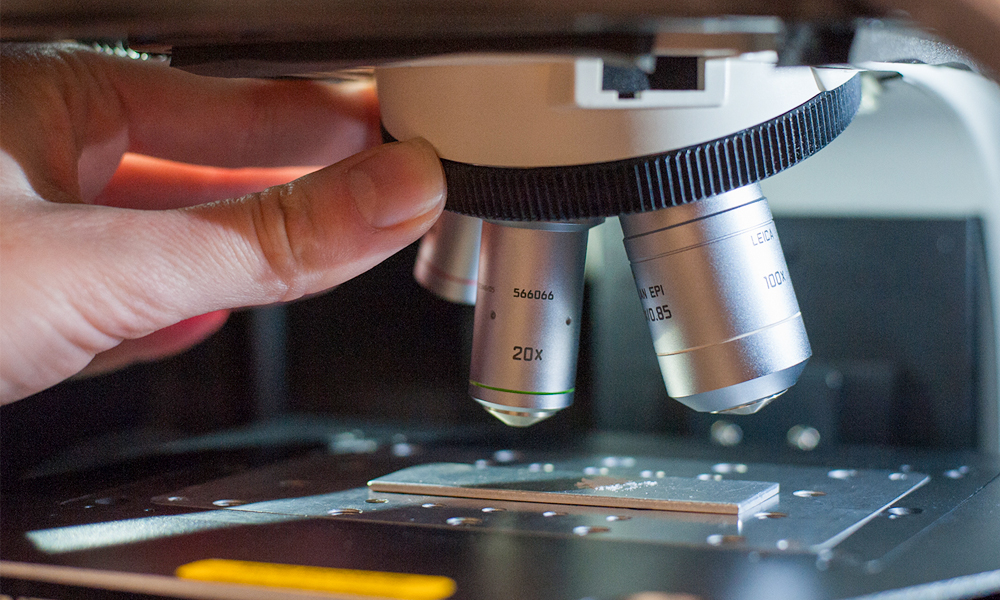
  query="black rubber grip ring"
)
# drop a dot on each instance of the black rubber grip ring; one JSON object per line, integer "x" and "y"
{"x": 655, "y": 181}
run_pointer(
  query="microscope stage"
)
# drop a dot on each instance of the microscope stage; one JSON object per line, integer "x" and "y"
{"x": 860, "y": 524}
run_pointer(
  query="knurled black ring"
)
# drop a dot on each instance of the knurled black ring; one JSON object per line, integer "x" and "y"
{"x": 657, "y": 180}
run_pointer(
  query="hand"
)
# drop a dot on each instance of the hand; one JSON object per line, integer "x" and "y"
{"x": 88, "y": 139}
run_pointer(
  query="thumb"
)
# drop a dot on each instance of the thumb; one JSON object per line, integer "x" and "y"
{"x": 276, "y": 245}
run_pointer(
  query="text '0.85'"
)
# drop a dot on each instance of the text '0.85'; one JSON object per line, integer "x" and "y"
{"x": 658, "y": 313}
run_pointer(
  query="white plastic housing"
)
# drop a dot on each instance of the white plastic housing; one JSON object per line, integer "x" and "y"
{"x": 535, "y": 111}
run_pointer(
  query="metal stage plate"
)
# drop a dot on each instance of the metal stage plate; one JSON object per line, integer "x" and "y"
{"x": 546, "y": 484}
{"x": 816, "y": 508}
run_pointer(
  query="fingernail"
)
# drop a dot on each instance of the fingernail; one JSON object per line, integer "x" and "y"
{"x": 396, "y": 183}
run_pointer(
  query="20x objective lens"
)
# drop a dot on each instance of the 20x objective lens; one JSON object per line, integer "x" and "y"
{"x": 527, "y": 324}
{"x": 718, "y": 300}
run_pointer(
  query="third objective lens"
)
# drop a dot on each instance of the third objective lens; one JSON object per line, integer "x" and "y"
{"x": 448, "y": 259}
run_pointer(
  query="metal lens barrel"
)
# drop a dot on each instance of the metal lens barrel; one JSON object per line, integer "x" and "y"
{"x": 448, "y": 259}
{"x": 716, "y": 294}
{"x": 527, "y": 324}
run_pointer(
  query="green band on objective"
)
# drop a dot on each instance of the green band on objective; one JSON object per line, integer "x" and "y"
{"x": 496, "y": 389}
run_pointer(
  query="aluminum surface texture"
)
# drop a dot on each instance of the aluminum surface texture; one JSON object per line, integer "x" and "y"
{"x": 527, "y": 324}
{"x": 838, "y": 503}
{"x": 718, "y": 300}
{"x": 548, "y": 485}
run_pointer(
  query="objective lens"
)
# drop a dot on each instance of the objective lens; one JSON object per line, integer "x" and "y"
{"x": 448, "y": 259}
{"x": 527, "y": 324}
{"x": 720, "y": 306}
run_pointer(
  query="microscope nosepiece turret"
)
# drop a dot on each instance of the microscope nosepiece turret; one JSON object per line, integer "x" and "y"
{"x": 541, "y": 148}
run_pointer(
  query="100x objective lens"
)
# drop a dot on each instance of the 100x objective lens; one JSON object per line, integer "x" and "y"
{"x": 718, "y": 300}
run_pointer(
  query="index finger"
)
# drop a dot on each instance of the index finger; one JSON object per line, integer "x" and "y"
{"x": 241, "y": 122}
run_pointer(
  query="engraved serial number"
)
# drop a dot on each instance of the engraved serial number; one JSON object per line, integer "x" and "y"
{"x": 534, "y": 294}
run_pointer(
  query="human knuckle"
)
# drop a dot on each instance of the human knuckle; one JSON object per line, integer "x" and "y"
{"x": 286, "y": 237}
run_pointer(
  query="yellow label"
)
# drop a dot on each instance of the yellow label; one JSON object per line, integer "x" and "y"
{"x": 404, "y": 586}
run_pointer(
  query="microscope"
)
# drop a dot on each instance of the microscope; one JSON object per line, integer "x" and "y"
{"x": 606, "y": 170}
